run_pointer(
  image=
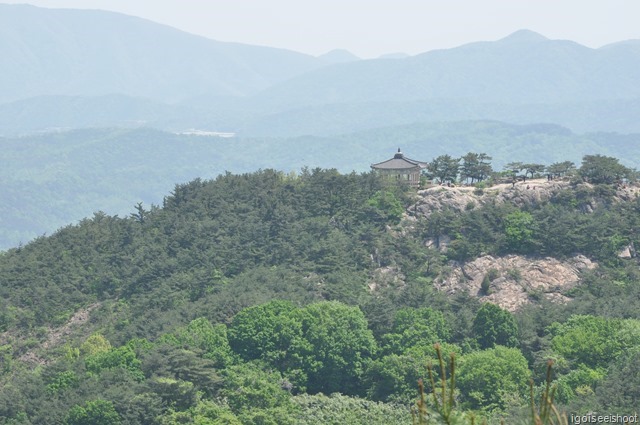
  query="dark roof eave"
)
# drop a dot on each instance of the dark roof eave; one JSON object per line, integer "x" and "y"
{"x": 398, "y": 164}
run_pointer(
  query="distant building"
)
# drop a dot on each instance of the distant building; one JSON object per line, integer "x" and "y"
{"x": 401, "y": 168}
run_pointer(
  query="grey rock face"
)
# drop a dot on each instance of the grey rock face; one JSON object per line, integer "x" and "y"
{"x": 519, "y": 280}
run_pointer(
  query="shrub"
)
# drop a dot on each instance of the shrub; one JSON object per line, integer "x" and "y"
{"x": 485, "y": 286}
{"x": 493, "y": 274}
{"x": 515, "y": 274}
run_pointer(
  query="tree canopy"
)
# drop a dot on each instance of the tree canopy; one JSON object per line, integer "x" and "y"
{"x": 602, "y": 169}
{"x": 494, "y": 326}
{"x": 253, "y": 298}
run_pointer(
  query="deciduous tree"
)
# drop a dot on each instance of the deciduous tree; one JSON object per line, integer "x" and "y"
{"x": 494, "y": 326}
{"x": 96, "y": 412}
{"x": 491, "y": 378}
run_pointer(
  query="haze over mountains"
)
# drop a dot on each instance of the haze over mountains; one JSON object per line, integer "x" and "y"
{"x": 93, "y": 53}
{"x": 191, "y": 231}
{"x": 108, "y": 73}
{"x": 58, "y": 64}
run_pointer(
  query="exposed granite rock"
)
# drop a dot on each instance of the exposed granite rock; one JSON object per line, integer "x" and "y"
{"x": 386, "y": 277}
{"x": 519, "y": 280}
{"x": 57, "y": 336}
{"x": 441, "y": 243}
{"x": 465, "y": 197}
{"x": 627, "y": 193}
{"x": 628, "y": 251}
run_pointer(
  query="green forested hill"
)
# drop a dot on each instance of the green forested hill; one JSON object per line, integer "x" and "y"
{"x": 54, "y": 179}
{"x": 261, "y": 298}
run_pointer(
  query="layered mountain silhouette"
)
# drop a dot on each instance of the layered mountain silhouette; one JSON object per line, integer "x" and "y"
{"x": 83, "y": 68}
{"x": 524, "y": 67}
{"x": 94, "y": 53}
{"x": 71, "y": 69}
{"x": 338, "y": 56}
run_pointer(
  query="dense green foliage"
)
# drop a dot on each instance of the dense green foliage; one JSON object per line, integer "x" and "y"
{"x": 603, "y": 169}
{"x": 444, "y": 169}
{"x": 493, "y": 378}
{"x": 98, "y": 412}
{"x": 594, "y": 341}
{"x": 323, "y": 347}
{"x": 494, "y": 326}
{"x": 270, "y": 298}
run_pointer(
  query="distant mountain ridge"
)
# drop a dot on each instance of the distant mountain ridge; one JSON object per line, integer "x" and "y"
{"x": 338, "y": 56}
{"x": 86, "y": 68}
{"x": 94, "y": 53}
{"x": 524, "y": 67}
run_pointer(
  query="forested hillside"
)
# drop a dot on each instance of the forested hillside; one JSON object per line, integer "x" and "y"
{"x": 50, "y": 180}
{"x": 311, "y": 298}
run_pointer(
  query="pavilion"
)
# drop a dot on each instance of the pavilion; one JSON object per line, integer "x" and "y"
{"x": 401, "y": 168}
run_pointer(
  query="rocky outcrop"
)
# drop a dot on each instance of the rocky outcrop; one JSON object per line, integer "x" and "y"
{"x": 384, "y": 277}
{"x": 628, "y": 251}
{"x": 463, "y": 198}
{"x": 57, "y": 336}
{"x": 627, "y": 193}
{"x": 515, "y": 280}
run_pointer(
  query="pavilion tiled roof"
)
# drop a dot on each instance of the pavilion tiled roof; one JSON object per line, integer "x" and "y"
{"x": 399, "y": 162}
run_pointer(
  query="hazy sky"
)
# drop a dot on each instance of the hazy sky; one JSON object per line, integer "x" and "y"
{"x": 369, "y": 28}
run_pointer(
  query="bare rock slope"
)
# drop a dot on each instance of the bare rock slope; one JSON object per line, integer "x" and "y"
{"x": 515, "y": 280}
{"x": 464, "y": 197}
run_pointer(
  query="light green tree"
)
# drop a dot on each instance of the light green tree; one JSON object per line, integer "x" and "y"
{"x": 560, "y": 169}
{"x": 95, "y": 344}
{"x": 271, "y": 332}
{"x": 519, "y": 228}
{"x": 533, "y": 168}
{"x": 201, "y": 334}
{"x": 514, "y": 167}
{"x": 257, "y": 396}
{"x": 493, "y": 378}
{"x": 594, "y": 341}
{"x": 494, "y": 326}
{"x": 475, "y": 166}
{"x": 393, "y": 378}
{"x": 96, "y": 412}
{"x": 387, "y": 206}
{"x": 339, "y": 347}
